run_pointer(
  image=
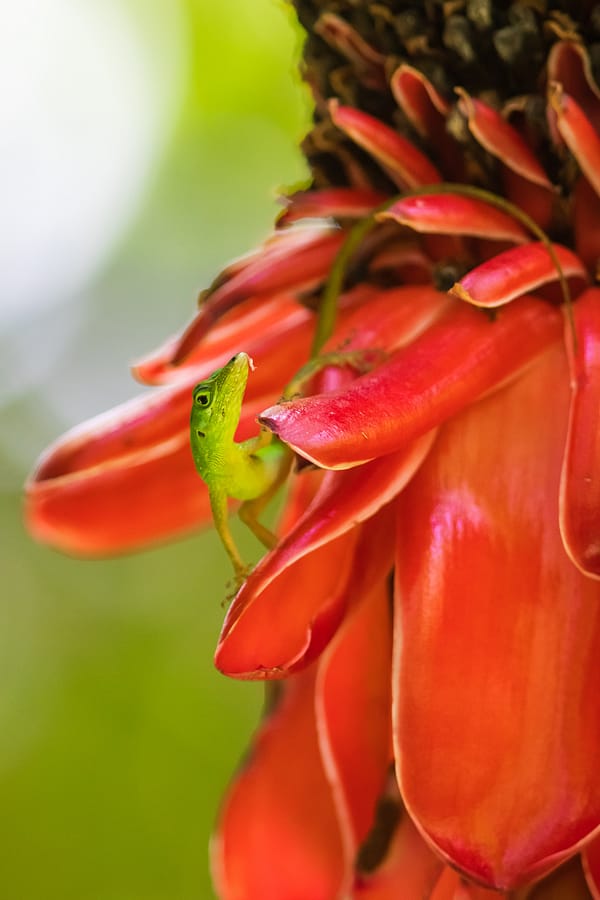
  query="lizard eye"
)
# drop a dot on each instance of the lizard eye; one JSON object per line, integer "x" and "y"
{"x": 202, "y": 399}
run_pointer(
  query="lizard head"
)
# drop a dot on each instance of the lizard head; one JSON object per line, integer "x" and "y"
{"x": 217, "y": 401}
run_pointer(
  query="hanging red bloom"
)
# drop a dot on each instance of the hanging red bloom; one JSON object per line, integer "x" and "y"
{"x": 436, "y": 735}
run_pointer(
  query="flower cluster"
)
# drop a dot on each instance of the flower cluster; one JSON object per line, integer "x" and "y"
{"x": 434, "y": 733}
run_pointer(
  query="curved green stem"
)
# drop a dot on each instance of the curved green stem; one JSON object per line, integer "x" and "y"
{"x": 333, "y": 286}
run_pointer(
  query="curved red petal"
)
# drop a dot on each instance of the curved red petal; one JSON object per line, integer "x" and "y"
{"x": 294, "y": 259}
{"x": 391, "y": 319}
{"x": 334, "y": 202}
{"x": 302, "y": 585}
{"x": 420, "y": 101}
{"x": 569, "y": 65}
{"x": 460, "y": 357}
{"x": 578, "y": 133}
{"x": 500, "y": 139}
{"x": 580, "y": 483}
{"x": 406, "y": 166}
{"x": 259, "y": 324}
{"x": 515, "y": 272}
{"x": 277, "y": 834}
{"x": 427, "y": 111}
{"x": 497, "y": 644}
{"x": 353, "y": 690}
{"x": 453, "y": 214}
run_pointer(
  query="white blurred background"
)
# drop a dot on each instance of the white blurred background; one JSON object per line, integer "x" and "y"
{"x": 141, "y": 147}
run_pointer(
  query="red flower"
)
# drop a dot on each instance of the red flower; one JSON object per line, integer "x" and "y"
{"x": 445, "y": 744}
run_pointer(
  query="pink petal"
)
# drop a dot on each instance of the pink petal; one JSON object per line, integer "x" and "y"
{"x": 333, "y": 202}
{"x": 453, "y": 214}
{"x": 406, "y": 166}
{"x": 497, "y": 644}
{"x": 578, "y": 133}
{"x": 277, "y": 834}
{"x": 320, "y": 552}
{"x": 515, "y": 272}
{"x": 580, "y": 485}
{"x": 460, "y": 357}
{"x": 500, "y": 139}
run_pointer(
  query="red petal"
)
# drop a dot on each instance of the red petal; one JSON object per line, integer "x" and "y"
{"x": 260, "y": 325}
{"x": 264, "y": 327}
{"x": 591, "y": 866}
{"x": 497, "y": 645}
{"x": 391, "y": 319}
{"x": 569, "y": 65}
{"x": 578, "y": 134}
{"x": 427, "y": 111}
{"x": 421, "y": 102}
{"x": 459, "y": 358}
{"x": 515, "y": 272}
{"x": 500, "y": 139}
{"x": 277, "y": 835}
{"x": 122, "y": 480}
{"x": 580, "y": 485}
{"x": 353, "y": 691}
{"x": 406, "y": 166}
{"x": 303, "y": 584}
{"x": 293, "y": 260}
{"x": 335, "y": 202}
{"x": 452, "y": 214}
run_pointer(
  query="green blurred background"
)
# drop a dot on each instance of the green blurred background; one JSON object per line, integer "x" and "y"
{"x": 143, "y": 145}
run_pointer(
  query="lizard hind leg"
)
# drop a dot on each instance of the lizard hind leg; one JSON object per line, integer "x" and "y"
{"x": 250, "y": 510}
{"x": 249, "y": 513}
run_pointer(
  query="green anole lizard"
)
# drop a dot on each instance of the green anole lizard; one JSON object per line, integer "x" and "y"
{"x": 250, "y": 471}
